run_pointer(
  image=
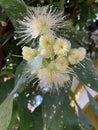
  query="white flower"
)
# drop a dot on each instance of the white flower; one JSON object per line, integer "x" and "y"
{"x": 39, "y": 21}
{"x": 46, "y": 41}
{"x": 62, "y": 64}
{"x": 51, "y": 77}
{"x": 29, "y": 53}
{"x": 76, "y": 55}
{"x": 62, "y": 47}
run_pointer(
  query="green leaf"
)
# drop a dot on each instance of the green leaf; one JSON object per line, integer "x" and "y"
{"x": 32, "y": 121}
{"x": 37, "y": 120}
{"x": 6, "y": 113}
{"x": 6, "y": 73}
{"x": 5, "y": 88}
{"x": 25, "y": 73}
{"x": 15, "y": 9}
{"x": 2, "y": 17}
{"x": 57, "y": 112}
{"x": 5, "y": 38}
{"x": 93, "y": 103}
{"x": 70, "y": 127}
{"x": 14, "y": 123}
{"x": 84, "y": 120}
{"x": 24, "y": 113}
{"x": 21, "y": 77}
{"x": 87, "y": 74}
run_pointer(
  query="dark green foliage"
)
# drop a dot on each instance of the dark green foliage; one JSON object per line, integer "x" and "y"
{"x": 24, "y": 113}
{"x": 5, "y": 88}
{"x": 93, "y": 103}
{"x": 55, "y": 112}
{"x": 87, "y": 74}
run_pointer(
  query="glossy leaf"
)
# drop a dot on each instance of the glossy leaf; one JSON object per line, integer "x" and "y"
{"x": 14, "y": 123}
{"x": 6, "y": 113}
{"x": 84, "y": 120}
{"x": 7, "y": 73}
{"x": 5, "y": 38}
{"x": 70, "y": 127}
{"x": 87, "y": 74}
{"x": 24, "y": 113}
{"x": 25, "y": 73}
{"x": 5, "y": 88}
{"x": 15, "y": 10}
{"x": 37, "y": 120}
{"x": 21, "y": 77}
{"x": 57, "y": 112}
{"x": 93, "y": 103}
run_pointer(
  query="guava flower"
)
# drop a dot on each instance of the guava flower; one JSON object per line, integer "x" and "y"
{"x": 29, "y": 53}
{"x": 62, "y": 47}
{"x": 46, "y": 41}
{"x": 52, "y": 77}
{"x": 39, "y": 21}
{"x": 76, "y": 55}
{"x": 62, "y": 64}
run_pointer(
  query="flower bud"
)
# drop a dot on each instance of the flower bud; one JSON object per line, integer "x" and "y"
{"x": 45, "y": 53}
{"x": 29, "y": 53}
{"x": 62, "y": 47}
{"x": 61, "y": 64}
{"x": 46, "y": 42}
{"x": 76, "y": 55}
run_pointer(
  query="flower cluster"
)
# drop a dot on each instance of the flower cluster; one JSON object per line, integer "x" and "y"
{"x": 57, "y": 57}
{"x": 56, "y": 52}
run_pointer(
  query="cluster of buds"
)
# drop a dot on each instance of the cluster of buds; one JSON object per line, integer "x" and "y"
{"x": 57, "y": 56}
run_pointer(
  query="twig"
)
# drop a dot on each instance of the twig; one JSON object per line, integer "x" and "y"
{"x": 73, "y": 14}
